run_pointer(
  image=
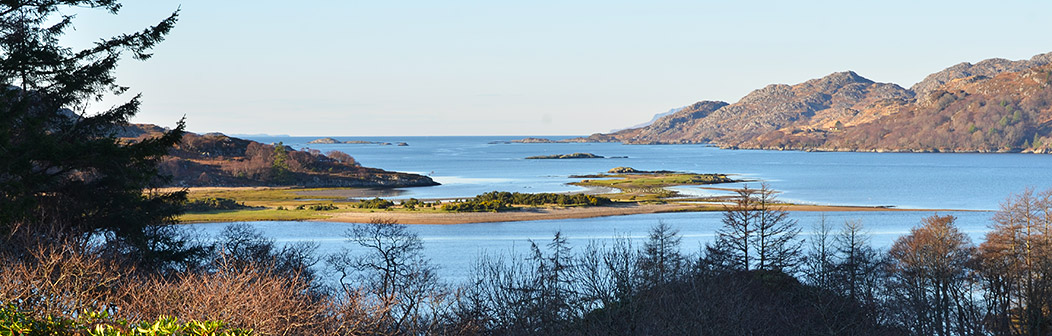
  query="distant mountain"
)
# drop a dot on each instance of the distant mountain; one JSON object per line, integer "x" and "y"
{"x": 217, "y": 160}
{"x": 992, "y": 106}
{"x": 652, "y": 120}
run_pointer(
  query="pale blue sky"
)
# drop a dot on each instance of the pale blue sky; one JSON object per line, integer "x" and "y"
{"x": 359, "y": 68}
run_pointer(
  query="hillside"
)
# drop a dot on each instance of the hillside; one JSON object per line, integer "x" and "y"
{"x": 217, "y": 160}
{"x": 992, "y": 106}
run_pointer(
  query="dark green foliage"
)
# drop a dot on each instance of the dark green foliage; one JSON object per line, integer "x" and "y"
{"x": 280, "y": 167}
{"x": 477, "y": 206}
{"x": 376, "y": 203}
{"x": 213, "y": 203}
{"x": 16, "y": 322}
{"x": 502, "y": 200}
{"x": 63, "y": 172}
{"x": 413, "y": 203}
{"x": 323, "y": 207}
{"x": 542, "y": 198}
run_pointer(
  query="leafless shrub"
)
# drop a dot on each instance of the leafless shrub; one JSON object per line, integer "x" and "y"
{"x": 244, "y": 296}
{"x": 61, "y": 281}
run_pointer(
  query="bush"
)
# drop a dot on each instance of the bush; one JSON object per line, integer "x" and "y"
{"x": 477, "y": 206}
{"x": 246, "y": 286}
{"x": 413, "y": 203}
{"x": 213, "y": 203}
{"x": 376, "y": 203}
{"x": 542, "y": 198}
{"x": 13, "y": 321}
{"x": 322, "y": 207}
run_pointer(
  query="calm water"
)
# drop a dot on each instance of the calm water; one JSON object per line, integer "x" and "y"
{"x": 454, "y": 248}
{"x": 467, "y": 166}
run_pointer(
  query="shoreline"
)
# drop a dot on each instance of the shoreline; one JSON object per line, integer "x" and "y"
{"x": 559, "y": 213}
{"x": 555, "y": 213}
{"x": 270, "y": 200}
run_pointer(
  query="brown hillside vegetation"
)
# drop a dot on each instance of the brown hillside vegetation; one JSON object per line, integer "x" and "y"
{"x": 216, "y": 160}
{"x": 991, "y": 106}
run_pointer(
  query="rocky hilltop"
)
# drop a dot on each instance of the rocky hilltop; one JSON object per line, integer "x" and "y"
{"x": 992, "y": 106}
{"x": 217, "y": 160}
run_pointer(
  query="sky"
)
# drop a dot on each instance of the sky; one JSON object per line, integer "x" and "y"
{"x": 452, "y": 67}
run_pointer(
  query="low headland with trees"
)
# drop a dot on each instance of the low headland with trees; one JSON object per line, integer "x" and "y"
{"x": 216, "y": 160}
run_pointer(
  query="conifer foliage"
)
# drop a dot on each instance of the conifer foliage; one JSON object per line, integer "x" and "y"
{"x": 64, "y": 175}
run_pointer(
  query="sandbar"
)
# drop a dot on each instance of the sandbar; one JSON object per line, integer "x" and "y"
{"x": 556, "y": 213}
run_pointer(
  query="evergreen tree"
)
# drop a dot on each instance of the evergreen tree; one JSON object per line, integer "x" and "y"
{"x": 280, "y": 170}
{"x": 64, "y": 174}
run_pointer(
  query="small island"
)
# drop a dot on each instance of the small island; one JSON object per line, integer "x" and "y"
{"x": 630, "y": 170}
{"x": 639, "y": 185}
{"x": 533, "y": 140}
{"x": 566, "y": 156}
{"x": 332, "y": 141}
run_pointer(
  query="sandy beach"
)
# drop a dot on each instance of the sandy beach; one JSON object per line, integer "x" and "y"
{"x": 555, "y": 213}
{"x": 526, "y": 214}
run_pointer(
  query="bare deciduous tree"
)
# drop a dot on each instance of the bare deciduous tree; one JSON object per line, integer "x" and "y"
{"x": 1016, "y": 261}
{"x": 388, "y": 263}
{"x": 660, "y": 261}
{"x": 931, "y": 273}
{"x": 757, "y": 233}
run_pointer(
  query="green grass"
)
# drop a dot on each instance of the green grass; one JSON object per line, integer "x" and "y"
{"x": 633, "y": 188}
{"x": 650, "y": 181}
{"x": 268, "y": 200}
{"x": 260, "y": 195}
{"x": 250, "y": 215}
{"x": 648, "y": 187}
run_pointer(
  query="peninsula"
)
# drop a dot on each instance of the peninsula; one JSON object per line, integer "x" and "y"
{"x": 216, "y": 160}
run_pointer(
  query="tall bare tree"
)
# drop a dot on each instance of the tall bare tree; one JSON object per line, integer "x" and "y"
{"x": 757, "y": 232}
{"x": 819, "y": 261}
{"x": 388, "y": 262}
{"x": 733, "y": 240}
{"x": 1016, "y": 264}
{"x": 775, "y": 240}
{"x": 661, "y": 261}
{"x": 931, "y": 272}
